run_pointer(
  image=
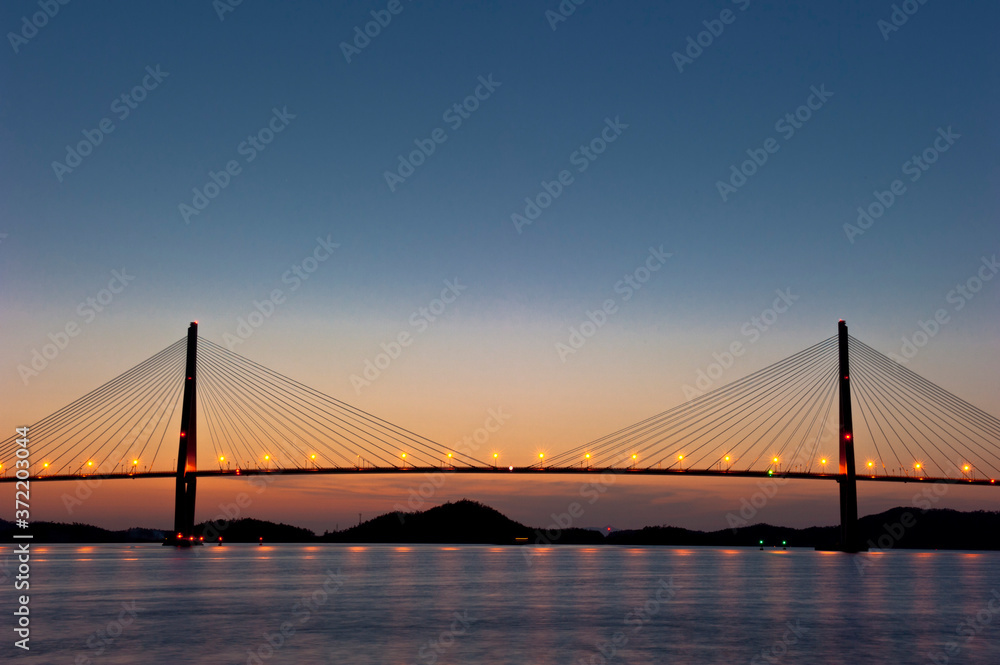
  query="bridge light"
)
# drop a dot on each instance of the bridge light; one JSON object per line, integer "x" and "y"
{"x": 847, "y": 436}
{"x": 680, "y": 458}
{"x": 871, "y": 464}
{"x": 587, "y": 455}
{"x": 510, "y": 468}
{"x": 46, "y": 465}
{"x": 134, "y": 462}
{"x": 449, "y": 455}
{"x": 770, "y": 472}
{"x": 403, "y": 456}
{"x": 726, "y": 458}
{"x": 267, "y": 457}
{"x": 965, "y": 468}
{"x": 917, "y": 466}
{"x": 90, "y": 463}
{"x": 775, "y": 460}
{"x": 222, "y": 458}
{"x": 823, "y": 461}
{"x": 634, "y": 456}
{"x": 496, "y": 455}
{"x": 313, "y": 456}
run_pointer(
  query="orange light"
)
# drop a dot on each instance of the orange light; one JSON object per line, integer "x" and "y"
{"x": 313, "y": 456}
{"x": 587, "y": 455}
{"x": 267, "y": 457}
{"x": 680, "y": 457}
{"x": 222, "y": 458}
{"x": 775, "y": 460}
{"x": 823, "y": 461}
{"x": 634, "y": 456}
{"x": 727, "y": 458}
{"x": 541, "y": 455}
{"x": 965, "y": 468}
{"x": 403, "y": 455}
{"x": 46, "y": 465}
{"x": 134, "y": 462}
{"x": 917, "y": 465}
{"x": 449, "y": 455}
{"x": 496, "y": 455}
{"x": 90, "y": 464}
{"x": 871, "y": 464}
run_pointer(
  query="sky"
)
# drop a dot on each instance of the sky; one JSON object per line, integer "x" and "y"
{"x": 199, "y": 158}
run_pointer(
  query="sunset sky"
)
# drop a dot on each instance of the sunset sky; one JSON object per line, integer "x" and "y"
{"x": 268, "y": 148}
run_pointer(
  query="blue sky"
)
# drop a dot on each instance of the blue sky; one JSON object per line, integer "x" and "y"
{"x": 323, "y": 176}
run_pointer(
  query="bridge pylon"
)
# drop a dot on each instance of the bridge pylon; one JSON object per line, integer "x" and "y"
{"x": 847, "y": 478}
{"x": 187, "y": 451}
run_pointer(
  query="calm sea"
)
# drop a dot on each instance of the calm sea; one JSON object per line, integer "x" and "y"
{"x": 478, "y": 604}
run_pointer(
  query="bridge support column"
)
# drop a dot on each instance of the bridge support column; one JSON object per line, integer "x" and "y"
{"x": 187, "y": 452}
{"x": 849, "y": 540}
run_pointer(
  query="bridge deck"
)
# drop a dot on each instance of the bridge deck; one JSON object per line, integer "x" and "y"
{"x": 529, "y": 470}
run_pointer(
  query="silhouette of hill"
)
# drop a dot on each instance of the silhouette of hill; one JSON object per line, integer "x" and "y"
{"x": 61, "y": 532}
{"x": 470, "y": 522}
{"x": 460, "y": 522}
{"x": 898, "y": 528}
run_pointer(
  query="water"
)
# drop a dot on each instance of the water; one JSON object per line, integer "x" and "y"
{"x": 478, "y": 604}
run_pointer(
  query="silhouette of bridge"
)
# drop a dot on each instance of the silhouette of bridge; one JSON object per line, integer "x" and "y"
{"x": 787, "y": 420}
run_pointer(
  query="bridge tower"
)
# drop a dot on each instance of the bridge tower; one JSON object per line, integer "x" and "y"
{"x": 187, "y": 451}
{"x": 847, "y": 478}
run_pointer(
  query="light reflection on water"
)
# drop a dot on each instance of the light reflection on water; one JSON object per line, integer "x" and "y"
{"x": 398, "y": 604}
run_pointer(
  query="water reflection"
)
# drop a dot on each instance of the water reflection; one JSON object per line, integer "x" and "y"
{"x": 540, "y": 605}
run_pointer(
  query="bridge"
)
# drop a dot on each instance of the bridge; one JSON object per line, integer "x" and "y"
{"x": 787, "y": 420}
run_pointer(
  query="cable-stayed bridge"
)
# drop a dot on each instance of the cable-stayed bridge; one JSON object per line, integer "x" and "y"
{"x": 838, "y": 410}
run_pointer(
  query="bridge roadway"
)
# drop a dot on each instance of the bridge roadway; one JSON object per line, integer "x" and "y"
{"x": 524, "y": 470}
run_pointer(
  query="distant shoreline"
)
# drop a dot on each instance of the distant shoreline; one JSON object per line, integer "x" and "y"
{"x": 470, "y": 523}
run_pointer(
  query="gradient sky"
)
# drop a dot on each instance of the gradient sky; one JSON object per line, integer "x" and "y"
{"x": 495, "y": 346}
